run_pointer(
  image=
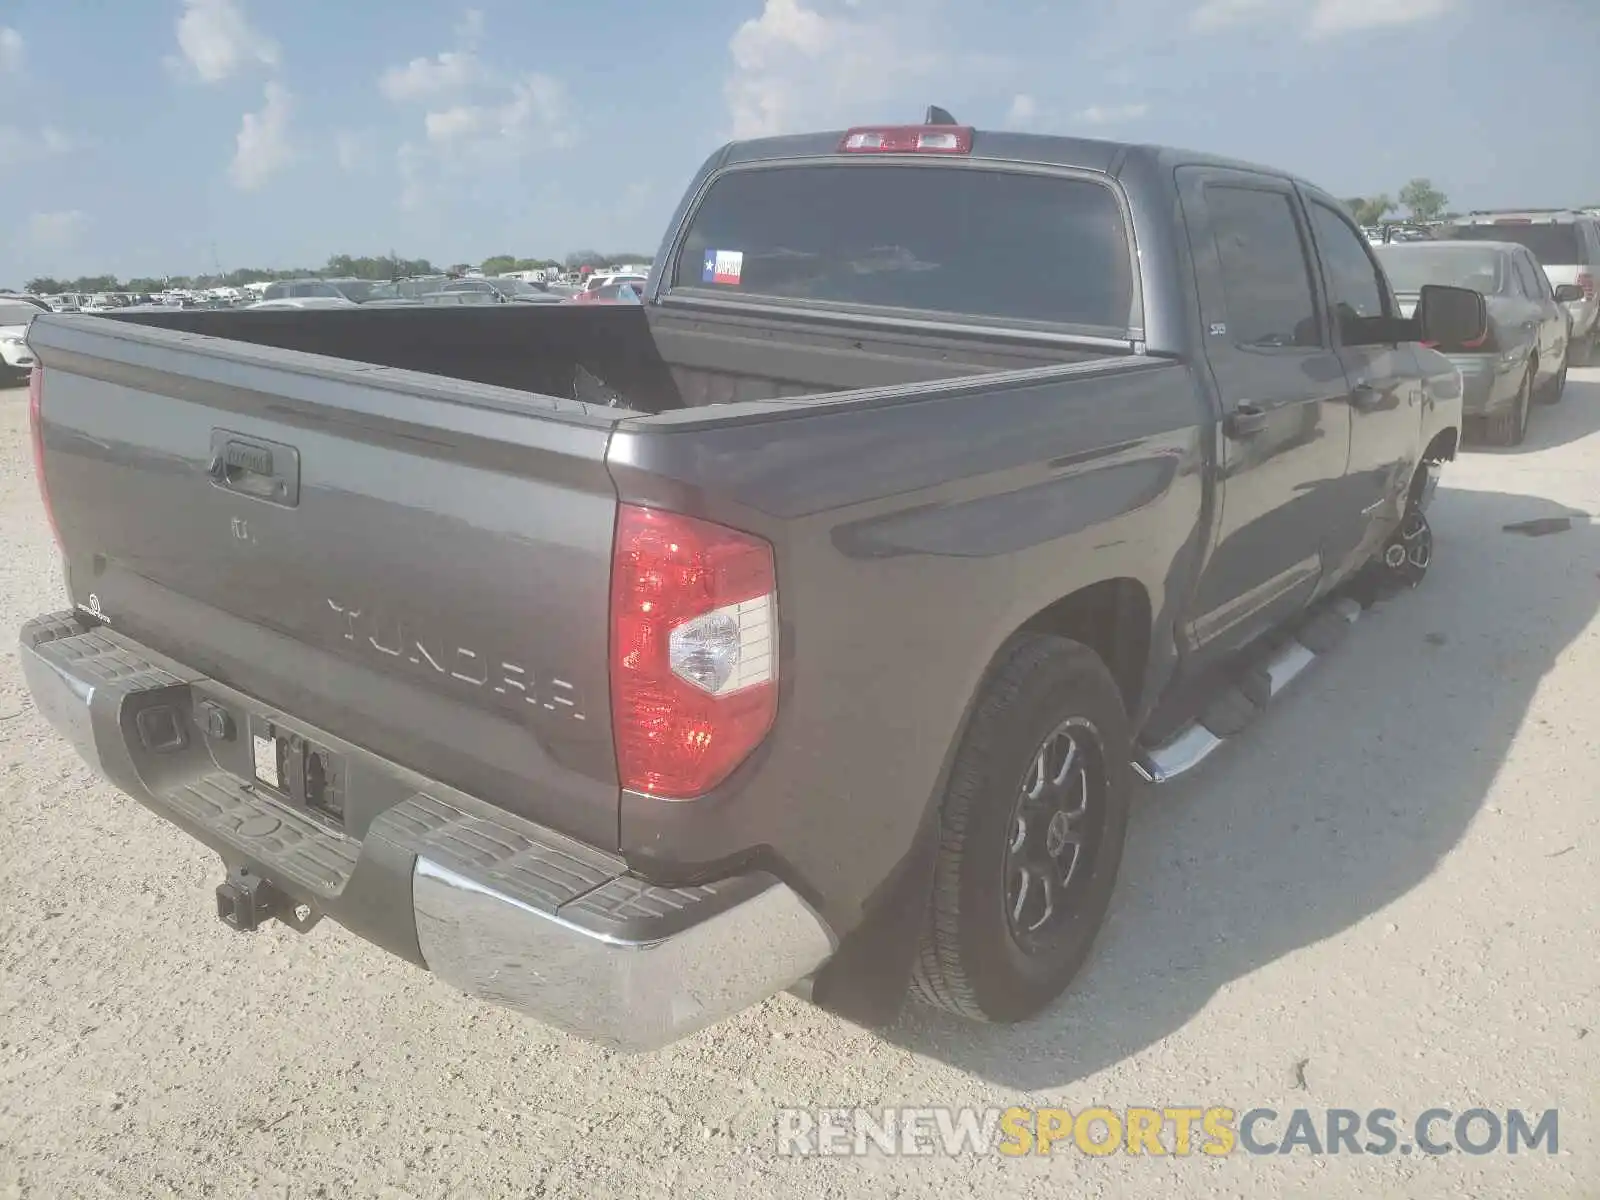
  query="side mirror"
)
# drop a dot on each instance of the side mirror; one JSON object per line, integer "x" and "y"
{"x": 1569, "y": 293}
{"x": 1451, "y": 316}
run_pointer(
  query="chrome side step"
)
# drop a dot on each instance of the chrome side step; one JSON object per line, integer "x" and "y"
{"x": 1194, "y": 743}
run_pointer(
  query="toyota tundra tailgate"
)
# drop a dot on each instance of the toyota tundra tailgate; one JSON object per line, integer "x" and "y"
{"x": 418, "y": 563}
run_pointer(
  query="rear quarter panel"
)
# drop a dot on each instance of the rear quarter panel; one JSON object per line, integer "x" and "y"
{"x": 912, "y": 539}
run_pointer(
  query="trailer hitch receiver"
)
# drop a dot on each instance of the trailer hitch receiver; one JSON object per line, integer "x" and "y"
{"x": 245, "y": 901}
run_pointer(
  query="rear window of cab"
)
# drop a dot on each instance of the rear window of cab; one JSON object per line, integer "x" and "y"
{"x": 948, "y": 242}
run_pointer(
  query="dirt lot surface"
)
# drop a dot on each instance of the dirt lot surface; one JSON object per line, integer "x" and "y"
{"x": 1384, "y": 895}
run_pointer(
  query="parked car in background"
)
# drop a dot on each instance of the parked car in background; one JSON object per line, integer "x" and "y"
{"x": 1566, "y": 243}
{"x": 1404, "y": 231}
{"x": 610, "y": 293}
{"x": 1524, "y": 355}
{"x": 38, "y": 302}
{"x": 314, "y": 293}
{"x": 15, "y": 357}
{"x": 608, "y": 279}
{"x": 499, "y": 289}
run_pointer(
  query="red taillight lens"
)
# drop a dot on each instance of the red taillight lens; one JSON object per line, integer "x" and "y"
{"x": 694, "y": 650}
{"x": 1586, "y": 282}
{"x": 36, "y": 429}
{"x": 908, "y": 139}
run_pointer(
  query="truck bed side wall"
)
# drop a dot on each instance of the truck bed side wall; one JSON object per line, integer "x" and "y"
{"x": 534, "y": 348}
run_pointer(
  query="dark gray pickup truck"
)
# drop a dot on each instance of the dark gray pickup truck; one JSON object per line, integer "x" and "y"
{"x": 803, "y": 626}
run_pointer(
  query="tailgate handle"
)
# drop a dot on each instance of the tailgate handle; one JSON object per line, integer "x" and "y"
{"x": 255, "y": 460}
{"x": 255, "y": 467}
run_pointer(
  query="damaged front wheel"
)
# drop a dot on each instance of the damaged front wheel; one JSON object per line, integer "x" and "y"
{"x": 1403, "y": 561}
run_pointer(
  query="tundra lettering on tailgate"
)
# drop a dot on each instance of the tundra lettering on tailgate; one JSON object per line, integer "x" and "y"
{"x": 402, "y": 641}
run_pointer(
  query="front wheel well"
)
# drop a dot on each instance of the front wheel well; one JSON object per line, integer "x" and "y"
{"x": 1443, "y": 447}
{"x": 1112, "y": 618}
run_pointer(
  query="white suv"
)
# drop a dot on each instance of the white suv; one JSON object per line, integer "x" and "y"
{"x": 1567, "y": 245}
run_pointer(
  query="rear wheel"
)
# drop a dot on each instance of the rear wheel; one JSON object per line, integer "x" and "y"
{"x": 1510, "y": 427}
{"x": 1032, "y": 827}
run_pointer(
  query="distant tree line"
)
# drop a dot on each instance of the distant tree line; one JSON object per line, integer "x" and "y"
{"x": 338, "y": 266}
{"x": 1419, "y": 198}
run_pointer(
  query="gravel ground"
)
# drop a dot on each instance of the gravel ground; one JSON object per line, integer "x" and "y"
{"x": 1384, "y": 895}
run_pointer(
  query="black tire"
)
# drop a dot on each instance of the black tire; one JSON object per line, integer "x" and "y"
{"x": 1556, "y": 388}
{"x": 1510, "y": 427}
{"x": 973, "y": 959}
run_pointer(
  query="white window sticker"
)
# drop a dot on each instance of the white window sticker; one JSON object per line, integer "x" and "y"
{"x": 723, "y": 266}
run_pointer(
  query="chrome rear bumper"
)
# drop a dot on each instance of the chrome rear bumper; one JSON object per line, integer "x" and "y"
{"x": 751, "y": 937}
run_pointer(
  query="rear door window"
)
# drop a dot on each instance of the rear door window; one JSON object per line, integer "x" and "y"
{"x": 952, "y": 241}
{"x": 1553, "y": 245}
{"x": 1529, "y": 276}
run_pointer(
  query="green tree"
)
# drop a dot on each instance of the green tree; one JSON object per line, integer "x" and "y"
{"x": 45, "y": 286}
{"x": 1369, "y": 210}
{"x": 499, "y": 264}
{"x": 1422, "y": 200}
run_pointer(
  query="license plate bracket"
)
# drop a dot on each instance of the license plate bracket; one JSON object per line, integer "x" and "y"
{"x": 297, "y": 770}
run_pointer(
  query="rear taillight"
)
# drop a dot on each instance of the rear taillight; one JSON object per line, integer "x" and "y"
{"x": 694, "y": 650}
{"x": 908, "y": 139}
{"x": 1586, "y": 282}
{"x": 36, "y": 429}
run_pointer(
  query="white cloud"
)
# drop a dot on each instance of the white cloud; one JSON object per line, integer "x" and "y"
{"x": 1111, "y": 114}
{"x": 262, "y": 146}
{"x": 19, "y": 145}
{"x": 474, "y": 113}
{"x": 1219, "y": 14}
{"x": 425, "y": 78}
{"x": 797, "y": 67}
{"x": 1316, "y": 18}
{"x": 10, "y": 50}
{"x": 536, "y": 115}
{"x": 1024, "y": 110}
{"x": 54, "y": 230}
{"x": 217, "y": 40}
{"x": 1346, "y": 16}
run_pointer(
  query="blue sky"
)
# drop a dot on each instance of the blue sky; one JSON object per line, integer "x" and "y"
{"x": 146, "y": 137}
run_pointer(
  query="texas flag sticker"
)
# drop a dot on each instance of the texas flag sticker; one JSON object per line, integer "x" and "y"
{"x": 722, "y": 266}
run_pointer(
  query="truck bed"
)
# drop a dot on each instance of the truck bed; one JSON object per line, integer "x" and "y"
{"x": 622, "y": 356}
{"x": 366, "y": 529}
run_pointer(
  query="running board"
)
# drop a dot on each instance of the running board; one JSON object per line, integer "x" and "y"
{"x": 1196, "y": 741}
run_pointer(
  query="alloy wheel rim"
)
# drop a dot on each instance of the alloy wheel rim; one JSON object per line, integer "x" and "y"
{"x": 1055, "y": 832}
